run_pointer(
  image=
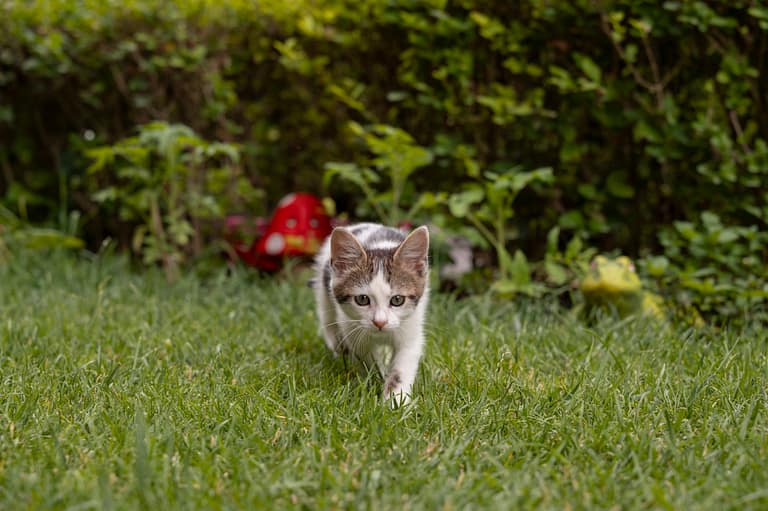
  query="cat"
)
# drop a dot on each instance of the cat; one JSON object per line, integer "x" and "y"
{"x": 372, "y": 287}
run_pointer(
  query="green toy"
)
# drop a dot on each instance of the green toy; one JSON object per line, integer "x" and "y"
{"x": 613, "y": 284}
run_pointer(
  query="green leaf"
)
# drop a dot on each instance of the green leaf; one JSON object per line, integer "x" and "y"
{"x": 107, "y": 194}
{"x": 101, "y": 156}
{"x": 617, "y": 185}
{"x": 571, "y": 220}
{"x": 657, "y": 265}
{"x": 553, "y": 238}
{"x": 41, "y": 238}
{"x": 459, "y": 203}
{"x": 728, "y": 235}
{"x": 519, "y": 270}
{"x": 711, "y": 221}
{"x": 556, "y": 273}
{"x": 686, "y": 229}
{"x": 361, "y": 177}
{"x": 8, "y": 219}
{"x": 588, "y": 67}
{"x": 523, "y": 179}
{"x": 574, "y": 248}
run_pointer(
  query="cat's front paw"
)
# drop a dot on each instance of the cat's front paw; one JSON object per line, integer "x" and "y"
{"x": 395, "y": 393}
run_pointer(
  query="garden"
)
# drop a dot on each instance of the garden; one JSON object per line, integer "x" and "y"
{"x": 595, "y": 174}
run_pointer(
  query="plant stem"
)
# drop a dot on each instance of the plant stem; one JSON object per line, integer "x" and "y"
{"x": 496, "y": 242}
{"x": 156, "y": 222}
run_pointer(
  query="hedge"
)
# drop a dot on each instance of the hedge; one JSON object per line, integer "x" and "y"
{"x": 649, "y": 113}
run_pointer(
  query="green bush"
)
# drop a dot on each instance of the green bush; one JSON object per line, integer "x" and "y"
{"x": 167, "y": 182}
{"x": 647, "y": 112}
{"x": 718, "y": 269}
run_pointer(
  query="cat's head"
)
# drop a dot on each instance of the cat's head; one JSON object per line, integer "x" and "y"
{"x": 380, "y": 285}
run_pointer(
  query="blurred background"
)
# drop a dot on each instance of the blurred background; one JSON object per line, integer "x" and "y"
{"x": 538, "y": 133}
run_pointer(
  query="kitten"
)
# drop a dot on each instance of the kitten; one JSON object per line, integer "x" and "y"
{"x": 371, "y": 287}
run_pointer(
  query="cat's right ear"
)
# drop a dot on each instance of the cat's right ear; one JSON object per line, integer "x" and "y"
{"x": 346, "y": 251}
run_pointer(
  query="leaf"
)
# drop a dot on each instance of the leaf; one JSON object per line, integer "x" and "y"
{"x": 556, "y": 272}
{"x": 519, "y": 270}
{"x": 588, "y": 67}
{"x": 231, "y": 151}
{"x": 657, "y": 265}
{"x": 571, "y": 220}
{"x": 523, "y": 179}
{"x": 429, "y": 200}
{"x": 135, "y": 174}
{"x": 574, "y": 248}
{"x": 107, "y": 194}
{"x": 711, "y": 221}
{"x": 8, "y": 219}
{"x": 686, "y": 230}
{"x": 617, "y": 185}
{"x": 40, "y": 238}
{"x": 728, "y": 235}
{"x": 349, "y": 172}
{"x": 505, "y": 287}
{"x": 518, "y": 279}
{"x": 459, "y": 203}
{"x": 553, "y": 238}
{"x": 346, "y": 98}
{"x": 180, "y": 231}
{"x": 101, "y": 156}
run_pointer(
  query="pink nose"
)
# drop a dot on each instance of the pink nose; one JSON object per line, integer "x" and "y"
{"x": 380, "y": 323}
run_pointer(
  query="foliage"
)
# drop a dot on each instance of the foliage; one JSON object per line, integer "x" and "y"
{"x": 395, "y": 155}
{"x": 488, "y": 206}
{"x": 647, "y": 112}
{"x": 16, "y": 236}
{"x": 562, "y": 268}
{"x": 643, "y": 110}
{"x": 717, "y": 269}
{"x": 167, "y": 181}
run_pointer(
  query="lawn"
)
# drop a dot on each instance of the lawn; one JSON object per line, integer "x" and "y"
{"x": 120, "y": 391}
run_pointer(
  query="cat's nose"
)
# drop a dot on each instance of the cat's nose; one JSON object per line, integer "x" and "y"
{"x": 380, "y": 323}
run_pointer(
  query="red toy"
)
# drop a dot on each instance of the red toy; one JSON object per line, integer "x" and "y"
{"x": 297, "y": 228}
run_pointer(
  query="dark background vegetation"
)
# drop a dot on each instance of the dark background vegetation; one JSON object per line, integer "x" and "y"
{"x": 652, "y": 117}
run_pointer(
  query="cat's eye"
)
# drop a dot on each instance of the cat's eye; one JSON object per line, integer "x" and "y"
{"x": 362, "y": 300}
{"x": 397, "y": 300}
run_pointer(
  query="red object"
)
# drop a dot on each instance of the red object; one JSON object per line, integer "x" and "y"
{"x": 297, "y": 228}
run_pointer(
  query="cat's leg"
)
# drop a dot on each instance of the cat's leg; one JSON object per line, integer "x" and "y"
{"x": 408, "y": 347}
{"x": 402, "y": 372}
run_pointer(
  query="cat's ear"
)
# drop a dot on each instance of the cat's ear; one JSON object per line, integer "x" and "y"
{"x": 413, "y": 251}
{"x": 346, "y": 251}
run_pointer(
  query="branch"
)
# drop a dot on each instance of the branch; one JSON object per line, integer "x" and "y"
{"x": 620, "y": 51}
{"x": 734, "y": 118}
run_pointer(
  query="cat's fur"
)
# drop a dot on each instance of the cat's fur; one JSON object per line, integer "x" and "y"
{"x": 383, "y": 266}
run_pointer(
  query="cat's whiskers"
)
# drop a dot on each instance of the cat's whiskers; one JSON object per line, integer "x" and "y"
{"x": 353, "y": 337}
{"x": 345, "y": 321}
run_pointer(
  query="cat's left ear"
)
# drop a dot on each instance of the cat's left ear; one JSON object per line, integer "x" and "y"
{"x": 414, "y": 250}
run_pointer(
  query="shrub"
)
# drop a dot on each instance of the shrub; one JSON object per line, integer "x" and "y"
{"x": 164, "y": 183}
{"x": 718, "y": 269}
{"x": 647, "y": 112}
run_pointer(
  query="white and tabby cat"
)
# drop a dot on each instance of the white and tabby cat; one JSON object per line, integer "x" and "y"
{"x": 371, "y": 287}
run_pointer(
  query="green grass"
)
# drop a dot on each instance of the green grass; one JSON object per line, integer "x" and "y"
{"x": 120, "y": 391}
